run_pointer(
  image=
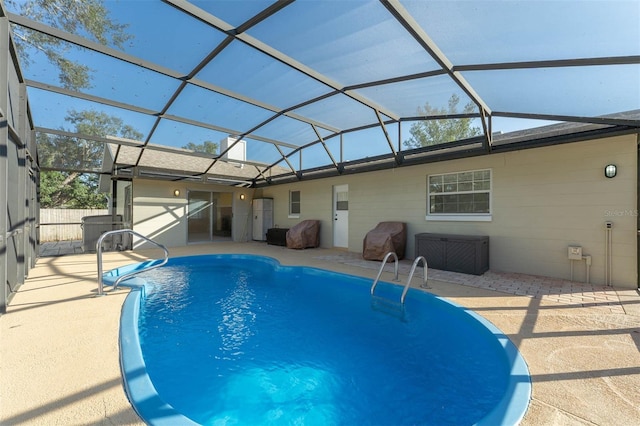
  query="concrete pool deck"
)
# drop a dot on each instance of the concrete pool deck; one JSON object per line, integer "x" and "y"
{"x": 59, "y": 360}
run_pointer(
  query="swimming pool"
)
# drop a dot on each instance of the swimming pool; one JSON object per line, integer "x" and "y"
{"x": 241, "y": 339}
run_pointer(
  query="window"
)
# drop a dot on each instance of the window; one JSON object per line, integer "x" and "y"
{"x": 342, "y": 200}
{"x": 294, "y": 203}
{"x": 459, "y": 196}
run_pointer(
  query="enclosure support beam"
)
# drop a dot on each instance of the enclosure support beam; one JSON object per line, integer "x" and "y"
{"x": 410, "y": 24}
{"x": 4, "y": 141}
{"x": 486, "y": 127}
{"x": 386, "y": 135}
{"x": 285, "y": 158}
{"x": 326, "y": 148}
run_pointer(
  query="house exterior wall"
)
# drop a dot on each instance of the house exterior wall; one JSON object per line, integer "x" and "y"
{"x": 543, "y": 200}
{"x": 161, "y": 216}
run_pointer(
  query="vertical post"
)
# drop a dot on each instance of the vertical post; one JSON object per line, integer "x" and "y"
{"x": 638, "y": 215}
{"x": 25, "y": 179}
{"x": 114, "y": 199}
{"x": 114, "y": 211}
{"x": 4, "y": 141}
{"x": 21, "y": 240}
{"x": 99, "y": 259}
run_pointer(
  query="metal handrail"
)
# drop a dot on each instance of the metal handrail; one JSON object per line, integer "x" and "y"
{"x": 413, "y": 269}
{"x": 384, "y": 261}
{"x": 119, "y": 279}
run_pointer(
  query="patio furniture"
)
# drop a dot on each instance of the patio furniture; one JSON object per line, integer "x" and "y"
{"x": 468, "y": 254}
{"x": 385, "y": 237}
{"x": 277, "y": 236}
{"x": 305, "y": 234}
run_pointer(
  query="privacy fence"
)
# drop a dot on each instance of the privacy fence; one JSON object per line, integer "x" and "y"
{"x": 64, "y": 224}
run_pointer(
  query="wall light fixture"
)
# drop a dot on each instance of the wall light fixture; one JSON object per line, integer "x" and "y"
{"x": 611, "y": 170}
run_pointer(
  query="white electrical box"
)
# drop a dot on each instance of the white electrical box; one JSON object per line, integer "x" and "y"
{"x": 575, "y": 253}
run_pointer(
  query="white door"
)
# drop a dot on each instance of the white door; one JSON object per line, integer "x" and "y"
{"x": 341, "y": 216}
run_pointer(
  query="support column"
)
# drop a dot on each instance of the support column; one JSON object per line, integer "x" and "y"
{"x": 4, "y": 141}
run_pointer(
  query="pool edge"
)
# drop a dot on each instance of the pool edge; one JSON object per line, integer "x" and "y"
{"x": 152, "y": 409}
{"x": 514, "y": 405}
{"x": 138, "y": 386}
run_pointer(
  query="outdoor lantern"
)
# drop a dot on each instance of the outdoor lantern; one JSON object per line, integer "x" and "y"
{"x": 610, "y": 170}
{"x": 176, "y": 192}
{"x": 242, "y": 196}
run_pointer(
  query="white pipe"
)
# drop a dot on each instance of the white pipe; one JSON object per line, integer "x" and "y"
{"x": 608, "y": 272}
{"x": 587, "y": 258}
{"x": 588, "y": 266}
{"x": 571, "y": 262}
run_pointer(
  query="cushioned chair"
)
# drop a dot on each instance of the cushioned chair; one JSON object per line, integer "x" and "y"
{"x": 385, "y": 237}
{"x": 305, "y": 234}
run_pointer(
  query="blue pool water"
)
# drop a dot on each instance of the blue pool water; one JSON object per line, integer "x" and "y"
{"x": 242, "y": 340}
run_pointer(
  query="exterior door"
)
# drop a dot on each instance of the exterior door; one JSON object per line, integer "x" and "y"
{"x": 209, "y": 216}
{"x": 199, "y": 217}
{"x": 341, "y": 216}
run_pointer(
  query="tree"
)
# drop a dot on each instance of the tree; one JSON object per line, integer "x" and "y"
{"x": 89, "y": 18}
{"x": 206, "y": 146}
{"x": 432, "y": 132}
{"x": 86, "y": 17}
{"x": 77, "y": 189}
{"x": 56, "y": 190}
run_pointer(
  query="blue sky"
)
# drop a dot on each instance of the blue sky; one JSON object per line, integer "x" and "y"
{"x": 352, "y": 42}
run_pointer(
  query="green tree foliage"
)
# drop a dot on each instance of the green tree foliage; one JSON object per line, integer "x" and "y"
{"x": 207, "y": 146}
{"x": 58, "y": 190}
{"x": 432, "y": 132}
{"x": 58, "y": 154}
{"x": 88, "y": 18}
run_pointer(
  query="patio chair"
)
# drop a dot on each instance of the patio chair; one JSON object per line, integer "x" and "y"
{"x": 385, "y": 237}
{"x": 305, "y": 234}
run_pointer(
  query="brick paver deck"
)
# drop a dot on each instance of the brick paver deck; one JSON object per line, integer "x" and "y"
{"x": 545, "y": 288}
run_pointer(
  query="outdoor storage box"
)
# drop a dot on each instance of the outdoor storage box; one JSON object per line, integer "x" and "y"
{"x": 468, "y": 254}
{"x": 277, "y": 236}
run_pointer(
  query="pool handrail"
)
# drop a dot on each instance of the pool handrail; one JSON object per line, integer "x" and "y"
{"x": 130, "y": 274}
{"x": 384, "y": 262}
{"x": 413, "y": 269}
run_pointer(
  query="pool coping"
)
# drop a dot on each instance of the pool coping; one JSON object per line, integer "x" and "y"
{"x": 509, "y": 410}
{"x": 153, "y": 409}
{"x": 140, "y": 390}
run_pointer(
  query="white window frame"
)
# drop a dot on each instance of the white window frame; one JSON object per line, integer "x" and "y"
{"x": 461, "y": 217}
{"x": 291, "y": 203}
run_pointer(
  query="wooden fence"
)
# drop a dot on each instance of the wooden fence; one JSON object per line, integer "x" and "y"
{"x": 64, "y": 224}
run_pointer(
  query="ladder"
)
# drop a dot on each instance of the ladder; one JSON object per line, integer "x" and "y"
{"x": 137, "y": 271}
{"x": 413, "y": 269}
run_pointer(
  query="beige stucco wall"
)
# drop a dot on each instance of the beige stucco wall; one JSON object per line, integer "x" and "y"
{"x": 543, "y": 200}
{"x": 161, "y": 216}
